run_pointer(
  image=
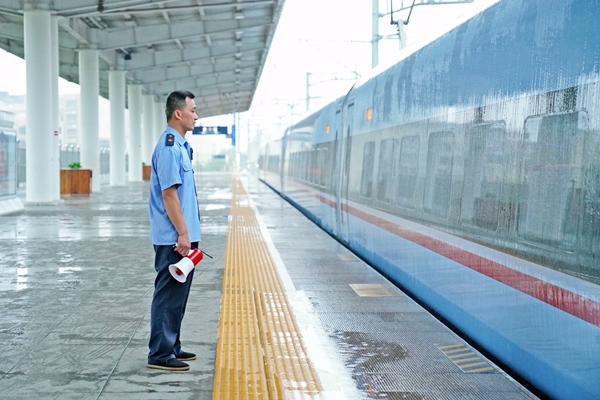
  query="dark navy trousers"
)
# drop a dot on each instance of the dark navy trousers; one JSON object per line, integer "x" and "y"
{"x": 168, "y": 306}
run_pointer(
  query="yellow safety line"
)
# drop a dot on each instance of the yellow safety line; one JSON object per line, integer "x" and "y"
{"x": 260, "y": 353}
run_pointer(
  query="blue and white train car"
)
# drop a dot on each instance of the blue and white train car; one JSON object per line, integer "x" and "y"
{"x": 469, "y": 174}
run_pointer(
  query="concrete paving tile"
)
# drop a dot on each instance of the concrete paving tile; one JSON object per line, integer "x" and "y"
{"x": 76, "y": 284}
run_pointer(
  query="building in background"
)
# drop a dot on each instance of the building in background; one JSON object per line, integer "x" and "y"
{"x": 16, "y": 105}
{"x": 69, "y": 117}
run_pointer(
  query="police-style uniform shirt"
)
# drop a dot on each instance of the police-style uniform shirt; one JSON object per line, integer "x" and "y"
{"x": 172, "y": 165}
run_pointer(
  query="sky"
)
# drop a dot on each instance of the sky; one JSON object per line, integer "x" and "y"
{"x": 329, "y": 39}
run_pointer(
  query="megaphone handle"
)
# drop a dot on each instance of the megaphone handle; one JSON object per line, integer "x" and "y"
{"x": 203, "y": 252}
{"x": 175, "y": 247}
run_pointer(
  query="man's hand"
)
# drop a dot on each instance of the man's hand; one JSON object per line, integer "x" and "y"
{"x": 183, "y": 245}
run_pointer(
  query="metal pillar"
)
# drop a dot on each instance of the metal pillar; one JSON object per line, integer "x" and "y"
{"x": 134, "y": 97}
{"x": 55, "y": 165}
{"x": 375, "y": 35}
{"x": 147, "y": 128}
{"x": 307, "y": 91}
{"x": 38, "y": 102}
{"x": 160, "y": 120}
{"x": 88, "y": 115}
{"x": 116, "y": 93}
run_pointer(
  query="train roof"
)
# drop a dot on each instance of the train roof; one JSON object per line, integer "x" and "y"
{"x": 476, "y": 8}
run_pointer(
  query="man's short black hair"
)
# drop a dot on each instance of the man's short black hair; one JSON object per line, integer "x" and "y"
{"x": 176, "y": 101}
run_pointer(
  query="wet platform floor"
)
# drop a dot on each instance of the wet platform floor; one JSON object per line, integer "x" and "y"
{"x": 76, "y": 282}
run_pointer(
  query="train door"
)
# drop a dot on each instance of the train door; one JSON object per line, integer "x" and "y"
{"x": 344, "y": 168}
{"x": 338, "y": 171}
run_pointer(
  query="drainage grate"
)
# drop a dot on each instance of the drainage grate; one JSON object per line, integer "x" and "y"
{"x": 375, "y": 290}
{"x": 466, "y": 359}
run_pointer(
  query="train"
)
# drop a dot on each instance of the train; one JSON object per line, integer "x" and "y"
{"x": 468, "y": 174}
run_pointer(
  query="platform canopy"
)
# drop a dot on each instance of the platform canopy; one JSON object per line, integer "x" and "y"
{"x": 214, "y": 48}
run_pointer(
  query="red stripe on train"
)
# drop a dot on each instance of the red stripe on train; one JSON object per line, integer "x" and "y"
{"x": 565, "y": 300}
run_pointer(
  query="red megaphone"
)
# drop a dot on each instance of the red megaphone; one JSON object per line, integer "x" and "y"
{"x": 181, "y": 269}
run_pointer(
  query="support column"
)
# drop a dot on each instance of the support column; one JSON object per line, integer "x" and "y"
{"x": 88, "y": 116}
{"x": 55, "y": 165}
{"x": 134, "y": 97}
{"x": 38, "y": 102}
{"x": 116, "y": 93}
{"x": 375, "y": 34}
{"x": 147, "y": 128}
{"x": 160, "y": 120}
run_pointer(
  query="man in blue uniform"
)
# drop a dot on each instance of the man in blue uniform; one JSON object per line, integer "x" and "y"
{"x": 174, "y": 230}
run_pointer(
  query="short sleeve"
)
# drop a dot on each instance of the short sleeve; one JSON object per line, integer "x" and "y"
{"x": 168, "y": 162}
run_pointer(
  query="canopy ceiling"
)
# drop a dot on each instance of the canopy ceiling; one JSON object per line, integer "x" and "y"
{"x": 214, "y": 48}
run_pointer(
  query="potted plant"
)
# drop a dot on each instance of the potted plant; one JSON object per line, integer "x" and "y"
{"x": 145, "y": 172}
{"x": 75, "y": 180}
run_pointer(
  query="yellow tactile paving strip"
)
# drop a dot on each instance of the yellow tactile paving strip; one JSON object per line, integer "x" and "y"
{"x": 260, "y": 353}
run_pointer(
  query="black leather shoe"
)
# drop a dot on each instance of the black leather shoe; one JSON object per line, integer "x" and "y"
{"x": 186, "y": 356}
{"x": 172, "y": 364}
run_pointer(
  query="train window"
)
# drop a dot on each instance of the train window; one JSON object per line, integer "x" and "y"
{"x": 273, "y": 164}
{"x": 305, "y": 165}
{"x": 406, "y": 170}
{"x": 386, "y": 166}
{"x": 294, "y": 165}
{"x": 322, "y": 163}
{"x": 298, "y": 165}
{"x": 366, "y": 181}
{"x": 552, "y": 178}
{"x": 438, "y": 180}
{"x": 482, "y": 198}
{"x": 314, "y": 165}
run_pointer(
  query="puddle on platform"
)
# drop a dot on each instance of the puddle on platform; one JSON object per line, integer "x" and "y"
{"x": 367, "y": 357}
{"x": 68, "y": 270}
{"x": 221, "y": 194}
{"x": 212, "y": 207}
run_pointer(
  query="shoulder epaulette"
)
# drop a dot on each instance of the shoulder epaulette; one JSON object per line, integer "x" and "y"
{"x": 170, "y": 139}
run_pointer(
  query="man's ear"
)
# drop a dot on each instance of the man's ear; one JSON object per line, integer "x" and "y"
{"x": 177, "y": 114}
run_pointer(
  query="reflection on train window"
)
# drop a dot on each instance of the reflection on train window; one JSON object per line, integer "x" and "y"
{"x": 384, "y": 173}
{"x": 366, "y": 181}
{"x": 482, "y": 195}
{"x": 552, "y": 178}
{"x": 406, "y": 171}
{"x": 438, "y": 181}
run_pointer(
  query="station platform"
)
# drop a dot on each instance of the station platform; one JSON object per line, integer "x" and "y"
{"x": 281, "y": 311}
